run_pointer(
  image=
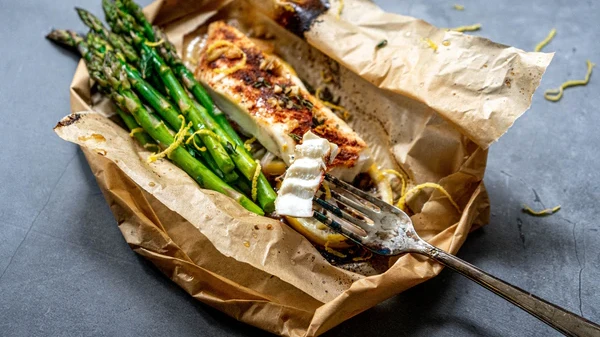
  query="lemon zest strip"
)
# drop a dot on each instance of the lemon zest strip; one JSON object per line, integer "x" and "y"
{"x": 544, "y": 212}
{"x": 192, "y": 139}
{"x": 554, "y": 95}
{"x": 383, "y": 185}
{"x": 363, "y": 258}
{"x": 151, "y": 147}
{"x": 400, "y": 176}
{"x": 248, "y": 143}
{"x": 431, "y": 44}
{"x": 237, "y": 66}
{"x": 204, "y": 132}
{"x": 177, "y": 140}
{"x": 459, "y": 7}
{"x": 326, "y": 79}
{"x": 255, "y": 180}
{"x": 134, "y": 131}
{"x": 327, "y": 190}
{"x": 545, "y": 41}
{"x": 345, "y": 113}
{"x": 333, "y": 251}
{"x": 470, "y": 28}
{"x": 402, "y": 202}
{"x": 154, "y": 44}
{"x": 340, "y": 9}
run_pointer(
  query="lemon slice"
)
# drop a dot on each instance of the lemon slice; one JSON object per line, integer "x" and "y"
{"x": 318, "y": 233}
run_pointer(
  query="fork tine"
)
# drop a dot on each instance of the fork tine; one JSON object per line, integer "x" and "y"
{"x": 375, "y": 201}
{"x": 342, "y": 214}
{"x": 338, "y": 227}
{"x": 369, "y": 212}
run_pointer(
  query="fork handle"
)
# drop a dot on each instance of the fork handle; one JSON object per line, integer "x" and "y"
{"x": 560, "y": 319}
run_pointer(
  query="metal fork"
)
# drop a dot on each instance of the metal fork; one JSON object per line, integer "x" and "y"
{"x": 387, "y": 230}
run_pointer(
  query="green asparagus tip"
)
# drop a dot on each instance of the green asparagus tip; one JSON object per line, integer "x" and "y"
{"x": 89, "y": 19}
{"x": 64, "y": 37}
{"x": 110, "y": 12}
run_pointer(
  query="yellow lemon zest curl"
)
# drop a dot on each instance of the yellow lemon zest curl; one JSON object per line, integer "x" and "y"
{"x": 192, "y": 138}
{"x": 340, "y": 9}
{"x": 134, "y": 131}
{"x": 554, "y": 95}
{"x": 459, "y": 7}
{"x": 255, "y": 180}
{"x": 177, "y": 140}
{"x": 248, "y": 143}
{"x": 327, "y": 190}
{"x": 402, "y": 202}
{"x": 383, "y": 185}
{"x": 326, "y": 79}
{"x": 431, "y": 44}
{"x": 333, "y": 251}
{"x": 154, "y": 44}
{"x": 544, "y": 212}
{"x": 400, "y": 176}
{"x": 151, "y": 147}
{"x": 546, "y": 40}
{"x": 363, "y": 258}
{"x": 237, "y": 66}
{"x": 345, "y": 113}
{"x": 470, "y": 28}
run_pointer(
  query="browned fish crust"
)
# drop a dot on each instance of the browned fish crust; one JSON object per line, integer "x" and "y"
{"x": 301, "y": 112}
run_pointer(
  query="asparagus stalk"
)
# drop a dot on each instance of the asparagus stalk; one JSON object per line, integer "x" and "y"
{"x": 72, "y": 40}
{"x": 168, "y": 52}
{"x": 92, "y": 58}
{"x": 170, "y": 114}
{"x": 99, "y": 47}
{"x": 124, "y": 96}
{"x": 125, "y": 24}
{"x": 136, "y": 11}
{"x": 216, "y": 123}
{"x": 117, "y": 41}
{"x": 247, "y": 166}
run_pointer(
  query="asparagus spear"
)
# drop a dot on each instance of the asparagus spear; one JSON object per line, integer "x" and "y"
{"x": 125, "y": 24}
{"x": 117, "y": 41}
{"x": 72, "y": 40}
{"x": 216, "y": 123}
{"x": 136, "y": 11}
{"x": 168, "y": 52}
{"x": 170, "y": 114}
{"x": 129, "y": 101}
{"x": 99, "y": 47}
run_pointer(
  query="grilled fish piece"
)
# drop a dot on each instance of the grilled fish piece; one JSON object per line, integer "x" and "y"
{"x": 304, "y": 176}
{"x": 267, "y": 100}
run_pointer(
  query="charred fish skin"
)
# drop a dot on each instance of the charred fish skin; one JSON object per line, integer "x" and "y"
{"x": 265, "y": 98}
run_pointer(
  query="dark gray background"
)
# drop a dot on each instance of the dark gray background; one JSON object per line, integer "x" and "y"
{"x": 65, "y": 269}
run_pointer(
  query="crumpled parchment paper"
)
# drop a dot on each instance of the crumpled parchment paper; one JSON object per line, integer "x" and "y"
{"x": 432, "y": 113}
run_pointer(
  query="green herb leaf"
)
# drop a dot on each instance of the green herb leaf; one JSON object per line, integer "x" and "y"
{"x": 295, "y": 137}
{"x": 381, "y": 44}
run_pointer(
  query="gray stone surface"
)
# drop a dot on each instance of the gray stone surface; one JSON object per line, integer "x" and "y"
{"x": 65, "y": 269}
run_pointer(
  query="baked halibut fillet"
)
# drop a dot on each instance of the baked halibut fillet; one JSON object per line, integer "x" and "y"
{"x": 267, "y": 100}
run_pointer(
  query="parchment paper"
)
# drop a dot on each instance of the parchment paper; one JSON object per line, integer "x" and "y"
{"x": 259, "y": 270}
